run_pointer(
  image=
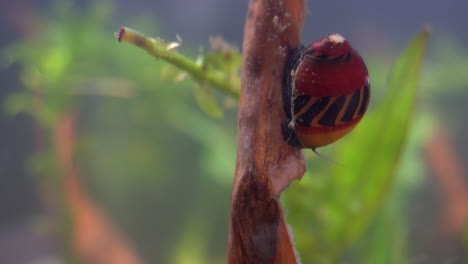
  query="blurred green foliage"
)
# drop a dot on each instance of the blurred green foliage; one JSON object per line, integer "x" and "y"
{"x": 147, "y": 154}
{"x": 162, "y": 169}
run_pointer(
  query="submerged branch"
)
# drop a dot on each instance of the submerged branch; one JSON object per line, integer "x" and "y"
{"x": 265, "y": 163}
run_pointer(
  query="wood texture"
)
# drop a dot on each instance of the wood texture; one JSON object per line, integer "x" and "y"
{"x": 265, "y": 163}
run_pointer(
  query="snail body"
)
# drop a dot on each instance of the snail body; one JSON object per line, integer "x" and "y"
{"x": 326, "y": 91}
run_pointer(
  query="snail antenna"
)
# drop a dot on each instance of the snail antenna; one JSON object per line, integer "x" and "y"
{"x": 327, "y": 159}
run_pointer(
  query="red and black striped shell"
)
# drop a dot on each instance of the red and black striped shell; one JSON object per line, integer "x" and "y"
{"x": 326, "y": 92}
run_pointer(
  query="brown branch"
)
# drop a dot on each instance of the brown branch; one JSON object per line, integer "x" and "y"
{"x": 95, "y": 239}
{"x": 265, "y": 163}
{"x": 449, "y": 172}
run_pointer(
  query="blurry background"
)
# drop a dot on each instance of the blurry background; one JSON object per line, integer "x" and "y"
{"x": 153, "y": 172}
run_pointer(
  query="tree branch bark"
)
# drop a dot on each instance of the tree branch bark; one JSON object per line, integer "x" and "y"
{"x": 266, "y": 164}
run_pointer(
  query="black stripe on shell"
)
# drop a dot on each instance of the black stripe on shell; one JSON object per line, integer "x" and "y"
{"x": 320, "y": 57}
{"x": 365, "y": 100}
{"x": 330, "y": 116}
{"x": 310, "y": 52}
{"x": 337, "y": 59}
{"x": 347, "y": 56}
{"x": 315, "y": 109}
{"x": 352, "y": 106}
{"x": 300, "y": 101}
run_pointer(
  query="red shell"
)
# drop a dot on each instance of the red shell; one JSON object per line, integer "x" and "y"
{"x": 326, "y": 92}
{"x": 320, "y": 77}
{"x": 333, "y": 45}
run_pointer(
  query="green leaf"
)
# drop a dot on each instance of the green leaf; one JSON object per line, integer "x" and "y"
{"x": 375, "y": 146}
{"x": 206, "y": 99}
{"x": 172, "y": 74}
{"x": 226, "y": 61}
{"x": 19, "y": 103}
{"x": 387, "y": 241}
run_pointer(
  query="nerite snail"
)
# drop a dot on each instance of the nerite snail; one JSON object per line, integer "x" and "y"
{"x": 326, "y": 91}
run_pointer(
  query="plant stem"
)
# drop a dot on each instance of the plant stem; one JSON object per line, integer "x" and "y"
{"x": 162, "y": 50}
